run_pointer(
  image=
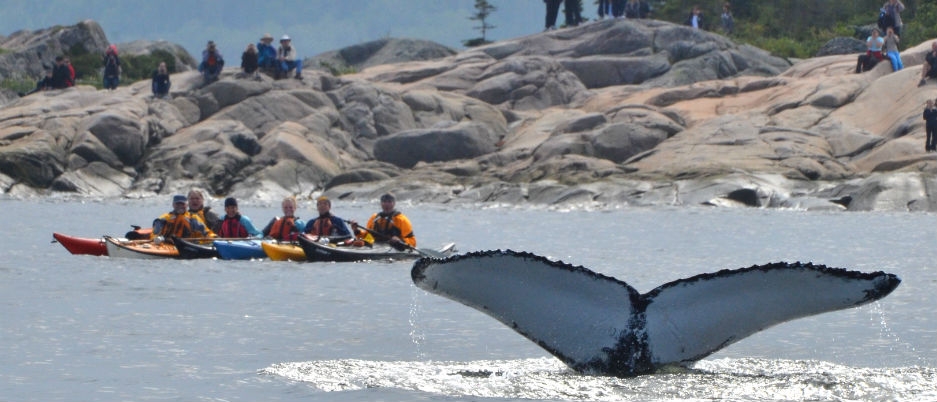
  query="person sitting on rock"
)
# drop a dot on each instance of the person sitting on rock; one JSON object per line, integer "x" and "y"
{"x": 212, "y": 63}
{"x": 326, "y": 224}
{"x": 234, "y": 224}
{"x": 161, "y": 82}
{"x": 286, "y": 227}
{"x": 873, "y": 54}
{"x": 249, "y": 62}
{"x": 266, "y": 53}
{"x": 60, "y": 74}
{"x": 891, "y": 49}
{"x": 286, "y": 56}
{"x": 41, "y": 85}
{"x": 929, "y": 69}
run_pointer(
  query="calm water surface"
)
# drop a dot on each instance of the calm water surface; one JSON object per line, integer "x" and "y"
{"x": 81, "y": 328}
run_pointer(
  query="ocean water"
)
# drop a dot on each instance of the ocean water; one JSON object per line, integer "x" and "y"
{"x": 83, "y": 328}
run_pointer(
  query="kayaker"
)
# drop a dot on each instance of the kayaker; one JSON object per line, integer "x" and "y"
{"x": 197, "y": 207}
{"x": 286, "y": 227}
{"x": 178, "y": 222}
{"x": 390, "y": 225}
{"x": 326, "y": 224}
{"x": 235, "y": 224}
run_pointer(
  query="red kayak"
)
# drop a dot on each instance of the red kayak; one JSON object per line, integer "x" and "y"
{"x": 81, "y": 245}
{"x": 96, "y": 246}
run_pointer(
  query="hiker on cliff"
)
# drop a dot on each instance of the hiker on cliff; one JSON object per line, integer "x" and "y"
{"x": 572, "y": 11}
{"x": 212, "y": 63}
{"x": 605, "y": 9}
{"x": 161, "y": 82}
{"x": 111, "y": 68}
{"x": 286, "y": 56}
{"x": 728, "y": 22}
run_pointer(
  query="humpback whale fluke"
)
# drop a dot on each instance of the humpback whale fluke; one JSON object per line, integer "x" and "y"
{"x": 597, "y": 324}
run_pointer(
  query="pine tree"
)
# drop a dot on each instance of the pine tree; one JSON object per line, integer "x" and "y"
{"x": 483, "y": 10}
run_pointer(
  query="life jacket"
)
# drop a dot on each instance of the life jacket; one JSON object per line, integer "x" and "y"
{"x": 384, "y": 224}
{"x": 176, "y": 225}
{"x": 284, "y": 229}
{"x": 232, "y": 227}
{"x": 322, "y": 226}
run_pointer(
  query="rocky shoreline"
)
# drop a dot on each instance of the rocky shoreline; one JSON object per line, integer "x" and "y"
{"x": 612, "y": 113}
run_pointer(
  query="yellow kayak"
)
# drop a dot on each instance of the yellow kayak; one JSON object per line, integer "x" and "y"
{"x": 283, "y": 251}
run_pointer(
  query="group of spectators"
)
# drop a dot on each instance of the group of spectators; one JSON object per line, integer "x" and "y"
{"x": 60, "y": 76}
{"x": 633, "y": 9}
{"x": 879, "y": 48}
{"x": 279, "y": 62}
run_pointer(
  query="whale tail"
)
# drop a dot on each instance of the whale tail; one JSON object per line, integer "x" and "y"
{"x": 598, "y": 324}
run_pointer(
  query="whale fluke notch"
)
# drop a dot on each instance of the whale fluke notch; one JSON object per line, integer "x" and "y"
{"x": 597, "y": 324}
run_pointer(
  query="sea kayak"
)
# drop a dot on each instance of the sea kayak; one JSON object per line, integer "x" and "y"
{"x": 190, "y": 249}
{"x": 81, "y": 245}
{"x": 345, "y": 252}
{"x": 278, "y": 251}
{"x": 139, "y": 249}
{"x": 240, "y": 249}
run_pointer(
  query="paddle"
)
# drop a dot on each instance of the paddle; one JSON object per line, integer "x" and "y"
{"x": 422, "y": 251}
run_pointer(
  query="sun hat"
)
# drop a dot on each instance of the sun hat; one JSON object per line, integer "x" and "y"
{"x": 266, "y": 37}
{"x": 285, "y": 37}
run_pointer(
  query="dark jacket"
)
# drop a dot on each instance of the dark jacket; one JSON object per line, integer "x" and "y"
{"x": 249, "y": 62}
{"x": 161, "y": 83}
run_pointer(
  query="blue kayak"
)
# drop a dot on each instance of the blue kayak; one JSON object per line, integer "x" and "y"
{"x": 239, "y": 249}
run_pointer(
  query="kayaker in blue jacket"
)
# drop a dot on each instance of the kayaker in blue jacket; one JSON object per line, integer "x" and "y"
{"x": 326, "y": 224}
{"x": 235, "y": 224}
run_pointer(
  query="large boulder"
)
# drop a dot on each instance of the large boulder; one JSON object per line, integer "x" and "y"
{"x": 27, "y": 54}
{"x": 378, "y": 52}
{"x": 180, "y": 58}
{"x": 444, "y": 143}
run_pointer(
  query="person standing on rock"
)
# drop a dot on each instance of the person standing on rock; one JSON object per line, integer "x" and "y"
{"x": 892, "y": 10}
{"x": 553, "y": 10}
{"x": 389, "y": 225}
{"x": 111, "y": 68}
{"x": 327, "y": 224}
{"x": 235, "y": 225}
{"x": 286, "y": 56}
{"x": 930, "y": 126}
{"x": 728, "y": 22}
{"x": 161, "y": 82}
{"x": 605, "y": 9}
{"x": 637, "y": 9}
{"x": 695, "y": 19}
{"x": 212, "y": 63}
{"x": 286, "y": 227}
{"x": 572, "y": 11}
{"x": 197, "y": 209}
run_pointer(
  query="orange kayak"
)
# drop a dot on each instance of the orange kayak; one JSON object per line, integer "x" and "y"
{"x": 283, "y": 251}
